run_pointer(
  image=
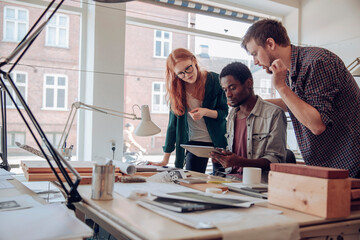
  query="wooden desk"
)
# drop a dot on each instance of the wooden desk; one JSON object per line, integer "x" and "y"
{"x": 124, "y": 219}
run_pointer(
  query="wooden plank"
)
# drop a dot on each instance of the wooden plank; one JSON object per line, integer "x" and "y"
{"x": 355, "y": 193}
{"x": 355, "y": 183}
{"x": 327, "y": 198}
{"x": 41, "y": 166}
{"x": 311, "y": 171}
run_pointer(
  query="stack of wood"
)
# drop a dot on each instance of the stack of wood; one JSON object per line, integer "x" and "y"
{"x": 319, "y": 191}
{"x": 39, "y": 170}
{"x": 355, "y": 194}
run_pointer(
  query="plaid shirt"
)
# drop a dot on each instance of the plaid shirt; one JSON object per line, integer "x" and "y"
{"x": 320, "y": 78}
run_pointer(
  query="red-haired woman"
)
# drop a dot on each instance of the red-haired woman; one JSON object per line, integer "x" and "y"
{"x": 198, "y": 110}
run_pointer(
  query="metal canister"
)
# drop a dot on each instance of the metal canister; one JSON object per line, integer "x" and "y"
{"x": 103, "y": 180}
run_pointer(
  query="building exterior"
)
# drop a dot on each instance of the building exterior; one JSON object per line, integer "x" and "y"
{"x": 49, "y": 81}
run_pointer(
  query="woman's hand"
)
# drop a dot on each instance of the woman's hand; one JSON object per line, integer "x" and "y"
{"x": 199, "y": 113}
{"x": 164, "y": 162}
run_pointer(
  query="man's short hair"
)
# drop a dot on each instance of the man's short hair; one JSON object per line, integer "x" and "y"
{"x": 264, "y": 29}
{"x": 238, "y": 70}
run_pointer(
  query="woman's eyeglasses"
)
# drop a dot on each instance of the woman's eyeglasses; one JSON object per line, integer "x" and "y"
{"x": 187, "y": 70}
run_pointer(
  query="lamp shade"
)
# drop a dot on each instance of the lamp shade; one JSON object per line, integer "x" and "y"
{"x": 146, "y": 126}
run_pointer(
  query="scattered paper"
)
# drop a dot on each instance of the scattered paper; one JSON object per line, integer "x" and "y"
{"x": 52, "y": 221}
{"x": 17, "y": 202}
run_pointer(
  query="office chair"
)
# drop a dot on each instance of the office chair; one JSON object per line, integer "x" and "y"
{"x": 290, "y": 156}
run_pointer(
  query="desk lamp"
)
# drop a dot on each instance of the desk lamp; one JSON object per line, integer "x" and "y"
{"x": 145, "y": 128}
{"x": 72, "y": 195}
{"x": 353, "y": 65}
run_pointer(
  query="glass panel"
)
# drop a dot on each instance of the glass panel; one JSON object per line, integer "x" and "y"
{"x": 166, "y": 35}
{"x": 57, "y": 138}
{"x": 166, "y": 49}
{"x": 22, "y": 15}
{"x": 21, "y": 31}
{"x": 158, "y": 48}
{"x": 63, "y": 21}
{"x": 22, "y": 92}
{"x": 158, "y": 34}
{"x": 50, "y": 80}
{"x": 10, "y": 29}
{"x": 20, "y": 78}
{"x": 53, "y": 20}
{"x": 156, "y": 99}
{"x": 157, "y": 87}
{"x": 49, "y": 98}
{"x": 20, "y": 137}
{"x": 51, "y": 40}
{"x": 10, "y": 13}
{"x": 10, "y": 137}
{"x": 61, "y": 81}
{"x": 9, "y": 103}
{"x": 61, "y": 98}
{"x": 62, "y": 37}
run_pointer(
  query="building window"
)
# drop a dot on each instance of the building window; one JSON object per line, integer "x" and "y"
{"x": 54, "y": 138}
{"x": 265, "y": 86}
{"x": 13, "y": 137}
{"x": 57, "y": 31}
{"x": 20, "y": 80}
{"x": 159, "y": 103}
{"x": 15, "y": 24}
{"x": 55, "y": 92}
{"x": 162, "y": 46}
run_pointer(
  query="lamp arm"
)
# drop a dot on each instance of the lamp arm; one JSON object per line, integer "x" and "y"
{"x": 80, "y": 105}
{"x": 354, "y": 63}
{"x": 72, "y": 193}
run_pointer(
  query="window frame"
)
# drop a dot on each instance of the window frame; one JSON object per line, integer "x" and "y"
{"x": 162, "y": 41}
{"x": 162, "y": 94}
{"x": 13, "y": 133}
{"x": 12, "y": 106}
{"x": 16, "y": 21}
{"x": 57, "y": 28}
{"x": 56, "y": 87}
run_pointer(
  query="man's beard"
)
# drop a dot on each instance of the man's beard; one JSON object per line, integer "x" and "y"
{"x": 271, "y": 60}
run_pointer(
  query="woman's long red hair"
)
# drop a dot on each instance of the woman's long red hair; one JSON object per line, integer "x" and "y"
{"x": 175, "y": 87}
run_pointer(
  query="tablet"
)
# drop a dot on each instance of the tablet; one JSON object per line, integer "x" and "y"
{"x": 199, "y": 151}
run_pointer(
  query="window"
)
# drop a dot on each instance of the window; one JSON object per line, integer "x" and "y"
{"x": 55, "y": 92}
{"x": 57, "y": 31}
{"x": 13, "y": 137}
{"x": 54, "y": 138}
{"x": 162, "y": 43}
{"x": 20, "y": 80}
{"x": 159, "y": 104}
{"x": 15, "y": 23}
{"x": 265, "y": 88}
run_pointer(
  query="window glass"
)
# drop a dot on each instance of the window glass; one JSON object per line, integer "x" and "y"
{"x": 15, "y": 23}
{"x": 20, "y": 80}
{"x": 49, "y": 98}
{"x": 57, "y": 31}
{"x": 212, "y": 54}
{"x": 40, "y": 93}
{"x": 55, "y": 92}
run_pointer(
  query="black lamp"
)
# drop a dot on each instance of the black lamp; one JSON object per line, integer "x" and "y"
{"x": 71, "y": 189}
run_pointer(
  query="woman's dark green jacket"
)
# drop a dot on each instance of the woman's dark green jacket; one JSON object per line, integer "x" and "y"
{"x": 178, "y": 130}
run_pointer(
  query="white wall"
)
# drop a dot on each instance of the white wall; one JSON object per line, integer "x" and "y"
{"x": 103, "y": 85}
{"x": 332, "y": 24}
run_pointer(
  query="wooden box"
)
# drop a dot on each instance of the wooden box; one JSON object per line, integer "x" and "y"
{"x": 327, "y": 198}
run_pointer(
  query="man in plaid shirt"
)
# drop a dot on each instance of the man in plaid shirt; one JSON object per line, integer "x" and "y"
{"x": 320, "y": 94}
